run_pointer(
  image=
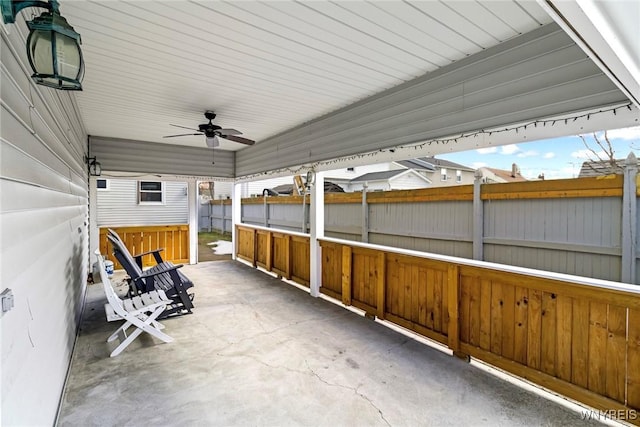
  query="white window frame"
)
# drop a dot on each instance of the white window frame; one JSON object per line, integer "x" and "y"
{"x": 458, "y": 176}
{"x": 140, "y": 191}
{"x": 108, "y": 182}
{"x": 443, "y": 174}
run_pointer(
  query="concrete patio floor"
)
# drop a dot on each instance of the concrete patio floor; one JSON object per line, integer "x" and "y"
{"x": 258, "y": 351}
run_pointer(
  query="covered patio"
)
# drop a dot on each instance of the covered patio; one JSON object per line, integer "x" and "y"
{"x": 317, "y": 86}
{"x": 259, "y": 351}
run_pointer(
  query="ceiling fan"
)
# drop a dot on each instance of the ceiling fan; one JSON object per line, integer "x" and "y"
{"x": 213, "y": 132}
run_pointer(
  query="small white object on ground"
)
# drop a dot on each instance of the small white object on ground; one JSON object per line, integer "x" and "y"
{"x": 222, "y": 247}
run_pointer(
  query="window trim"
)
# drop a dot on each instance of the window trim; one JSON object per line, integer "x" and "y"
{"x": 162, "y": 193}
{"x": 458, "y": 176}
{"x": 443, "y": 174}
{"x": 107, "y": 181}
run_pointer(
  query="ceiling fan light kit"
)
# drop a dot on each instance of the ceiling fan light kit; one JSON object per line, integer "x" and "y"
{"x": 213, "y": 132}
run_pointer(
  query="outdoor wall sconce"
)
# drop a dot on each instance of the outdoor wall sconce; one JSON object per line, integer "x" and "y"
{"x": 95, "y": 168}
{"x": 53, "y": 47}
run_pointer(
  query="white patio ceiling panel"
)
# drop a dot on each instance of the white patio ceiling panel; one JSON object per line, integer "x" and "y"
{"x": 265, "y": 67}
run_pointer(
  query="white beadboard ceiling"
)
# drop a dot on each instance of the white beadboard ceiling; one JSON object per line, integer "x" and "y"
{"x": 265, "y": 67}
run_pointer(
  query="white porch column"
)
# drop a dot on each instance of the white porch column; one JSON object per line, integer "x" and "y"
{"x": 236, "y": 215}
{"x": 192, "y": 200}
{"x": 317, "y": 232}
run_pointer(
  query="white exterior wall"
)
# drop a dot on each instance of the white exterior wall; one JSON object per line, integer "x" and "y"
{"x": 371, "y": 186}
{"x": 408, "y": 181}
{"x": 44, "y": 235}
{"x": 118, "y": 205}
{"x": 436, "y": 180}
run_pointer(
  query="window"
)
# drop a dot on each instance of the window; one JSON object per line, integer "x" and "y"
{"x": 102, "y": 184}
{"x": 458, "y": 176}
{"x": 150, "y": 192}
{"x": 351, "y": 169}
{"x": 443, "y": 174}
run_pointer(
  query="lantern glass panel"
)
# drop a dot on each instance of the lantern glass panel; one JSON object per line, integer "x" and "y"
{"x": 41, "y": 54}
{"x": 68, "y": 56}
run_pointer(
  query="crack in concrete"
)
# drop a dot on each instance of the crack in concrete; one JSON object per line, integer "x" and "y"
{"x": 353, "y": 389}
{"x": 265, "y": 333}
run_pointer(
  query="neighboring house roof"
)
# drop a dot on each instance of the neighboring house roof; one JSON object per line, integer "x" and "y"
{"x": 287, "y": 189}
{"x": 507, "y": 176}
{"x": 446, "y": 164}
{"x": 416, "y": 164}
{"x": 388, "y": 176}
{"x": 378, "y": 176}
{"x": 602, "y": 167}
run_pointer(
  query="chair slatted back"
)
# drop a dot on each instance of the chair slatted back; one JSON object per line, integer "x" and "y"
{"x": 124, "y": 257}
{"x": 113, "y": 298}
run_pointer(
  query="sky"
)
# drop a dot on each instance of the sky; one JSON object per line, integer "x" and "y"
{"x": 555, "y": 158}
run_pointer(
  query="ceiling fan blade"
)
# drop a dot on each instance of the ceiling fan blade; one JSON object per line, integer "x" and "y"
{"x": 183, "y": 134}
{"x": 229, "y": 132}
{"x": 183, "y": 127}
{"x": 238, "y": 139}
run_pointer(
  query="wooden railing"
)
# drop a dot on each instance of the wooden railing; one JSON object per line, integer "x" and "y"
{"x": 173, "y": 238}
{"x": 284, "y": 253}
{"x": 578, "y": 339}
{"x": 576, "y": 336}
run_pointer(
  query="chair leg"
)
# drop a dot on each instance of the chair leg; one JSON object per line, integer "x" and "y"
{"x": 146, "y": 325}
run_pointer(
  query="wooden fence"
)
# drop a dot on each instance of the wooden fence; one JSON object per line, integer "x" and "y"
{"x": 174, "y": 239}
{"x": 572, "y": 226}
{"x": 578, "y": 338}
{"x": 286, "y": 254}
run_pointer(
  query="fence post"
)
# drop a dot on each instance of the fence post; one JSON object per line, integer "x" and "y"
{"x": 365, "y": 215}
{"x": 478, "y": 218}
{"x": 223, "y": 211}
{"x": 346, "y": 275}
{"x": 628, "y": 273}
{"x": 380, "y": 284}
{"x": 453, "y": 293}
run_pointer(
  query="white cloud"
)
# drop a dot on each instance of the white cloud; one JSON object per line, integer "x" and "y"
{"x": 549, "y": 155}
{"x": 509, "y": 149}
{"x": 626, "y": 134}
{"x": 589, "y": 155}
{"x": 530, "y": 153}
{"x": 487, "y": 150}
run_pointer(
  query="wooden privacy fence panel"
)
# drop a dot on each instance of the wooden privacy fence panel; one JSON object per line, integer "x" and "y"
{"x": 284, "y": 254}
{"x": 173, "y": 238}
{"x": 579, "y": 340}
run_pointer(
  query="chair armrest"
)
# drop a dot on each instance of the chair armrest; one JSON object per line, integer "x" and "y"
{"x": 149, "y": 252}
{"x": 156, "y": 256}
{"x": 164, "y": 270}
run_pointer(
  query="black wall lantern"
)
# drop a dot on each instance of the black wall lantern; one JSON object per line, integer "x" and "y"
{"x": 95, "y": 168}
{"x": 53, "y": 47}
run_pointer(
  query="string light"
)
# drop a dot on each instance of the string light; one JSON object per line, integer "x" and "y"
{"x": 535, "y": 123}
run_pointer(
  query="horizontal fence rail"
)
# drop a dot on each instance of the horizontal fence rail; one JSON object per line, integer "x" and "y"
{"x": 174, "y": 239}
{"x": 576, "y": 336}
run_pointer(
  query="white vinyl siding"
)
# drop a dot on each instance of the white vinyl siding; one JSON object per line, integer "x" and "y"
{"x": 119, "y": 206}
{"x": 44, "y": 245}
{"x": 409, "y": 181}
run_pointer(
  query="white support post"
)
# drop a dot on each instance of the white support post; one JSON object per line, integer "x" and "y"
{"x": 629, "y": 229}
{"x": 478, "y": 218}
{"x": 236, "y": 216}
{"x": 317, "y": 232}
{"x": 192, "y": 200}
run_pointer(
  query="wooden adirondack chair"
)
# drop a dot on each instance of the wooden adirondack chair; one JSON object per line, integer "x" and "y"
{"x": 140, "y": 311}
{"x": 163, "y": 277}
